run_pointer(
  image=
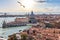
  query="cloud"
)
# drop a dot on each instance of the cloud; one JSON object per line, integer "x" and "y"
{"x": 13, "y": 6}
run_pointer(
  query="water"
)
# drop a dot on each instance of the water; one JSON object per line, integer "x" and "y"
{"x": 8, "y": 31}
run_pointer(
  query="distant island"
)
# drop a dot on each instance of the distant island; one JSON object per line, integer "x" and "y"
{"x": 23, "y": 21}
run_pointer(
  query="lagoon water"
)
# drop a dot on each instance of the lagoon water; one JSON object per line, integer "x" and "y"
{"x": 4, "y": 32}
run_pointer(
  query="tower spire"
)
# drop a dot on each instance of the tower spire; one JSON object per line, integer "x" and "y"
{"x": 4, "y": 24}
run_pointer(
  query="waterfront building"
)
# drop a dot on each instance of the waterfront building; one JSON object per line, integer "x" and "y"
{"x": 16, "y": 23}
{"x": 32, "y": 18}
{"x": 21, "y": 20}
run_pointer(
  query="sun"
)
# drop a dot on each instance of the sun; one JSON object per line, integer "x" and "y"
{"x": 28, "y": 3}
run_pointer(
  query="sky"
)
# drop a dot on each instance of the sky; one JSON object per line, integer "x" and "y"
{"x": 13, "y": 6}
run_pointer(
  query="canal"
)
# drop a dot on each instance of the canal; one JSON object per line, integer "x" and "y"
{"x": 4, "y": 32}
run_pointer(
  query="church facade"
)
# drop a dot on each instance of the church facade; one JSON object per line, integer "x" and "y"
{"x": 32, "y": 18}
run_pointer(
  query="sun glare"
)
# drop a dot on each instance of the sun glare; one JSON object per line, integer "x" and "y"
{"x": 28, "y": 3}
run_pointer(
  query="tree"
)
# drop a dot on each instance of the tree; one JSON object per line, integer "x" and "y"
{"x": 49, "y": 25}
{"x": 14, "y": 36}
{"x": 48, "y": 39}
{"x": 24, "y": 37}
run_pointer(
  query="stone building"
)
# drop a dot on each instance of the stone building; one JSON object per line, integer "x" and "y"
{"x": 32, "y": 18}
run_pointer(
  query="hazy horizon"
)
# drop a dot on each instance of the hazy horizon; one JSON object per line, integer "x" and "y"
{"x": 26, "y": 13}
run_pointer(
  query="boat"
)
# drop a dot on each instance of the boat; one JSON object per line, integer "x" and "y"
{"x": 2, "y": 38}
